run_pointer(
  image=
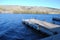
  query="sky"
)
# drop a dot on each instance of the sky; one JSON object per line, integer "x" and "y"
{"x": 44, "y": 3}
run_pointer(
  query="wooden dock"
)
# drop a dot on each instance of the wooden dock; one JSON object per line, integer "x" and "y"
{"x": 41, "y": 25}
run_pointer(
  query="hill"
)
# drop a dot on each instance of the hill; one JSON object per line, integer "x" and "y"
{"x": 28, "y": 9}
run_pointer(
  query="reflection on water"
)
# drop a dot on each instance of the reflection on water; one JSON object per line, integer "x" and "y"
{"x": 11, "y": 27}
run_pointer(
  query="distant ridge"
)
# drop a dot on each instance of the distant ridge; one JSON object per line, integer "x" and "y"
{"x": 28, "y": 9}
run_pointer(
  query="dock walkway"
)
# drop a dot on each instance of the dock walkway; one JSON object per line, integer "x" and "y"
{"x": 44, "y": 26}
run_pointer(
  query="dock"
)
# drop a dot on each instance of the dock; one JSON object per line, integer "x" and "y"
{"x": 41, "y": 25}
{"x": 56, "y": 19}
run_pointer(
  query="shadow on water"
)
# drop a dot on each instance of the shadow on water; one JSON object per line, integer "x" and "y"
{"x": 57, "y": 29}
{"x": 37, "y": 32}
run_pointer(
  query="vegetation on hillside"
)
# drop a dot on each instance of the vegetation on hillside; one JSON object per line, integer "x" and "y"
{"x": 27, "y": 9}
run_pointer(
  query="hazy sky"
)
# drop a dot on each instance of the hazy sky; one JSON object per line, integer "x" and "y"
{"x": 45, "y": 3}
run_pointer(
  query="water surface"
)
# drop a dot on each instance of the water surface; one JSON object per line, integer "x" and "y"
{"x": 11, "y": 27}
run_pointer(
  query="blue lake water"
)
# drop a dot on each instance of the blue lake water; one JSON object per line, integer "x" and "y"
{"x": 11, "y": 27}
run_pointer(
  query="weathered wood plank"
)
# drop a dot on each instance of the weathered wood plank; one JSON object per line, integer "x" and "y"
{"x": 41, "y": 25}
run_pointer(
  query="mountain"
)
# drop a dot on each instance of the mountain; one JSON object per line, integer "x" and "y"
{"x": 28, "y": 9}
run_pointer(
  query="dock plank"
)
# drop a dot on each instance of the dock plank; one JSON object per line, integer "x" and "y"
{"x": 44, "y": 24}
